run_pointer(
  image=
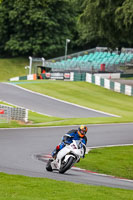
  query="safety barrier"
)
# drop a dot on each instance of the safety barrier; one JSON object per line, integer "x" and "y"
{"x": 8, "y": 113}
{"x": 109, "y": 84}
{"x": 4, "y": 115}
{"x": 28, "y": 77}
{"x": 101, "y": 79}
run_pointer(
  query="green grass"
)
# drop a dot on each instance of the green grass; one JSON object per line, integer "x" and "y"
{"x": 4, "y": 103}
{"x": 88, "y": 95}
{"x": 13, "y": 187}
{"x": 34, "y": 119}
{"x": 39, "y": 118}
{"x": 12, "y": 67}
{"x": 116, "y": 161}
{"x": 84, "y": 94}
{"x": 110, "y": 160}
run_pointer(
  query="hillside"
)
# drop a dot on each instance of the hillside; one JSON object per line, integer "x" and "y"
{"x": 11, "y": 67}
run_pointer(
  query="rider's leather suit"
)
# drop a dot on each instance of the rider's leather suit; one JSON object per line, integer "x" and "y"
{"x": 67, "y": 139}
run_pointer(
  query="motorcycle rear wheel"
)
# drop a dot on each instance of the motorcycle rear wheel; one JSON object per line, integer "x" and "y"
{"x": 67, "y": 165}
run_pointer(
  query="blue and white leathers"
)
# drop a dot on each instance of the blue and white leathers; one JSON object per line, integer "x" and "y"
{"x": 68, "y": 138}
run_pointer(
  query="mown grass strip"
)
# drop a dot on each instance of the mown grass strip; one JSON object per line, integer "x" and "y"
{"x": 84, "y": 94}
{"x": 116, "y": 161}
{"x": 12, "y": 67}
{"x": 34, "y": 119}
{"x": 25, "y": 188}
{"x": 89, "y": 95}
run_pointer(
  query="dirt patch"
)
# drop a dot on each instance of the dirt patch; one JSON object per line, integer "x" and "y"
{"x": 24, "y": 123}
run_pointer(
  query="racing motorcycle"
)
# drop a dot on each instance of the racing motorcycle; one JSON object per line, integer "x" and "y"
{"x": 67, "y": 157}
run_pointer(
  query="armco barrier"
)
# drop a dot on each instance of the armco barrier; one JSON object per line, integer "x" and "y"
{"x": 103, "y": 80}
{"x": 49, "y": 75}
{"x": 28, "y": 77}
{"x": 79, "y": 76}
{"x": 11, "y": 113}
{"x": 108, "y": 84}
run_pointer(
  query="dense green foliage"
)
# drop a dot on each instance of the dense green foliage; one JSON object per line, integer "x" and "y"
{"x": 41, "y": 27}
{"x": 35, "y": 27}
{"x": 109, "y": 20}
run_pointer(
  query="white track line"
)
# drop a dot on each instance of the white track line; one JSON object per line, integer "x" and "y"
{"x": 114, "y": 145}
{"x": 63, "y": 101}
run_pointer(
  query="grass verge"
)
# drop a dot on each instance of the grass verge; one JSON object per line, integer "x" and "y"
{"x": 35, "y": 119}
{"x": 88, "y": 95}
{"x": 26, "y": 188}
{"x": 12, "y": 67}
{"x": 84, "y": 94}
{"x": 116, "y": 161}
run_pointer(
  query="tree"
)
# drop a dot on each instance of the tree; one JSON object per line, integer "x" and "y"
{"x": 124, "y": 21}
{"x": 35, "y": 27}
{"x": 109, "y": 20}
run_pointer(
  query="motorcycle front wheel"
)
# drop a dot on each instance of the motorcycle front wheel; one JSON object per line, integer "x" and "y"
{"x": 67, "y": 165}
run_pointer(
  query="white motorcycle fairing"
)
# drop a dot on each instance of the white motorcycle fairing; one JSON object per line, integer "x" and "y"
{"x": 74, "y": 151}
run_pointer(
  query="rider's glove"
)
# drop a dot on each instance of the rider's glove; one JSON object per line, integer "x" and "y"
{"x": 66, "y": 139}
{"x": 66, "y": 142}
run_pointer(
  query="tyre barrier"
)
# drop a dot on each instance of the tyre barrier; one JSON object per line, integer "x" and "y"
{"x": 8, "y": 113}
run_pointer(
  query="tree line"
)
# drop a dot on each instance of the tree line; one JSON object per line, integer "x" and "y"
{"x": 41, "y": 27}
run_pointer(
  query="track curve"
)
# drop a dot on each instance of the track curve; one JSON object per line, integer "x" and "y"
{"x": 44, "y": 104}
{"x": 18, "y": 147}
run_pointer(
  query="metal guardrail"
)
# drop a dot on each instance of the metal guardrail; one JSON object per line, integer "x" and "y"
{"x": 127, "y": 50}
{"x": 10, "y": 113}
{"x": 81, "y": 53}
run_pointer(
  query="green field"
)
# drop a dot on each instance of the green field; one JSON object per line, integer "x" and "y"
{"x": 88, "y": 95}
{"x": 84, "y": 94}
{"x": 116, "y": 161}
{"x": 14, "y": 187}
{"x": 12, "y": 67}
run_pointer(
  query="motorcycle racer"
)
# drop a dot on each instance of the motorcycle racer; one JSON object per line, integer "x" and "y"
{"x": 74, "y": 134}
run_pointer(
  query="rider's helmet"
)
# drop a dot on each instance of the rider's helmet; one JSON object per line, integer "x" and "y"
{"x": 82, "y": 130}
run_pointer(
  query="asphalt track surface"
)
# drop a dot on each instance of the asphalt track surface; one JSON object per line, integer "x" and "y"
{"x": 18, "y": 148}
{"x": 44, "y": 104}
